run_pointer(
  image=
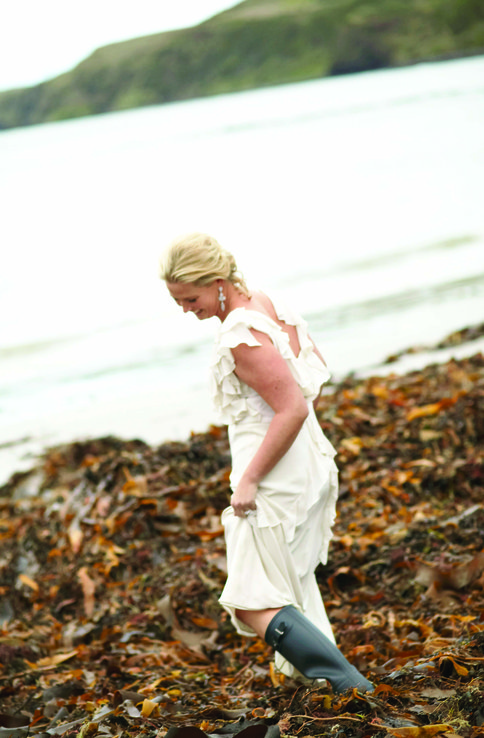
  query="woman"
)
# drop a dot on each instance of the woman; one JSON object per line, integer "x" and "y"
{"x": 266, "y": 375}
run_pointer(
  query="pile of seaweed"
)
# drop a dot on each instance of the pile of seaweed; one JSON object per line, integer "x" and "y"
{"x": 112, "y": 559}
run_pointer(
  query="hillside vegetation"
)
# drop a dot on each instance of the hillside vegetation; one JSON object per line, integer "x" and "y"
{"x": 257, "y": 43}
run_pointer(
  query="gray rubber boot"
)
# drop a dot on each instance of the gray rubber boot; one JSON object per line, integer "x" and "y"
{"x": 311, "y": 652}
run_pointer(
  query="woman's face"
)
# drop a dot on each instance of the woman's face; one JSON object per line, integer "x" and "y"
{"x": 201, "y": 300}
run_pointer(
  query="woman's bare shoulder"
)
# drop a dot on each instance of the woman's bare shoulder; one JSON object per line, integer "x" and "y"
{"x": 261, "y": 302}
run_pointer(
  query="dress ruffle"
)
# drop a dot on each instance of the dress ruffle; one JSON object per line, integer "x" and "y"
{"x": 233, "y": 400}
{"x": 271, "y": 567}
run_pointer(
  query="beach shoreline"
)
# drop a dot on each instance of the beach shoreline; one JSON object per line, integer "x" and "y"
{"x": 23, "y": 453}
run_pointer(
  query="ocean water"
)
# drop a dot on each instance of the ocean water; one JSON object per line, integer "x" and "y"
{"x": 360, "y": 199}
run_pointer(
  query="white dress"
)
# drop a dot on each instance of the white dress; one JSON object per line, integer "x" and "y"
{"x": 272, "y": 554}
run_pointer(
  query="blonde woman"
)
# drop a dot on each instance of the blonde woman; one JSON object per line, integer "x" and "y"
{"x": 266, "y": 375}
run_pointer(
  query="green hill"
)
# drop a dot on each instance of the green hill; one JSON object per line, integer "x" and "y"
{"x": 257, "y": 43}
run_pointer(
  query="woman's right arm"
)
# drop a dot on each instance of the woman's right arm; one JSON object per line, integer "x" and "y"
{"x": 263, "y": 368}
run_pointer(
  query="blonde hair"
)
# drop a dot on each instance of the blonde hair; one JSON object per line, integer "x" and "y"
{"x": 199, "y": 259}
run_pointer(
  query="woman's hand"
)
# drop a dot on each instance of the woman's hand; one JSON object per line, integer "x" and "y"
{"x": 243, "y": 499}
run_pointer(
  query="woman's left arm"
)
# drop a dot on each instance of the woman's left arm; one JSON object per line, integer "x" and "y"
{"x": 320, "y": 356}
{"x": 263, "y": 368}
{"x": 317, "y": 351}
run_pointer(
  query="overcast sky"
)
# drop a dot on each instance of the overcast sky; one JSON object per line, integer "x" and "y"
{"x": 40, "y": 39}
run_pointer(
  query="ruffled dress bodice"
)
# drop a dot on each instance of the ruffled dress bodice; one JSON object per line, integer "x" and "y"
{"x": 234, "y": 401}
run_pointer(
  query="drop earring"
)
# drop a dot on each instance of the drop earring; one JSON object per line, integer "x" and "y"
{"x": 221, "y": 298}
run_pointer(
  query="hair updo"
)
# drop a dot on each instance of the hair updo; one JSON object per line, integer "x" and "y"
{"x": 199, "y": 259}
